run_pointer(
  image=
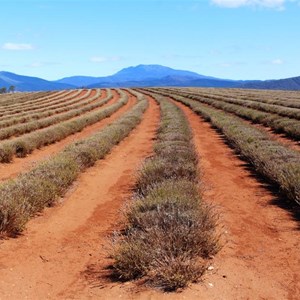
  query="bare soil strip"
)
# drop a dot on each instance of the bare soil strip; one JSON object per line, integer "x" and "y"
{"x": 93, "y": 92}
{"x": 19, "y": 165}
{"x": 35, "y": 108}
{"x": 12, "y": 137}
{"x": 30, "y": 98}
{"x": 279, "y": 137}
{"x": 260, "y": 259}
{"x": 60, "y": 256}
{"x": 261, "y": 241}
{"x": 50, "y": 260}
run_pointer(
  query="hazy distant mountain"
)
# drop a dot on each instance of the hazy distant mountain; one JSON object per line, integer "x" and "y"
{"x": 146, "y": 72}
{"x": 26, "y": 83}
{"x": 280, "y": 84}
{"x": 79, "y": 81}
{"x": 139, "y": 73}
{"x": 180, "y": 81}
{"x": 142, "y": 76}
{"x": 155, "y": 75}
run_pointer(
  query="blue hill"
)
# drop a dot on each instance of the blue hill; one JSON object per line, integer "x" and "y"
{"x": 27, "y": 83}
{"x": 140, "y": 73}
{"x": 142, "y": 76}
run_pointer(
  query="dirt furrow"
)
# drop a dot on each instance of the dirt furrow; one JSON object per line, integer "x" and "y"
{"x": 19, "y": 165}
{"x": 33, "y": 109}
{"x": 260, "y": 254}
{"x": 281, "y": 138}
{"x": 260, "y": 259}
{"x": 58, "y": 115}
{"x": 58, "y": 248}
{"x": 261, "y": 240}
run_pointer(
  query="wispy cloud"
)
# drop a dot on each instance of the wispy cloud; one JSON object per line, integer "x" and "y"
{"x": 17, "y": 47}
{"x": 39, "y": 64}
{"x": 277, "y": 4}
{"x": 102, "y": 59}
{"x": 35, "y": 65}
{"x": 277, "y": 61}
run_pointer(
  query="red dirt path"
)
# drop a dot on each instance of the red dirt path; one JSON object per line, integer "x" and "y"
{"x": 61, "y": 255}
{"x": 261, "y": 241}
{"x": 34, "y": 107}
{"x": 19, "y": 165}
{"x": 279, "y": 137}
{"x": 261, "y": 257}
{"x": 57, "y": 247}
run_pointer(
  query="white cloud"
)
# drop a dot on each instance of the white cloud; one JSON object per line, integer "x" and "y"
{"x": 102, "y": 59}
{"x": 17, "y": 47}
{"x": 39, "y": 64}
{"x": 277, "y": 61}
{"x": 278, "y": 4}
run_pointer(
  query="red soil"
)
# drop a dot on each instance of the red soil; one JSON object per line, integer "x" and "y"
{"x": 19, "y": 165}
{"x": 62, "y": 254}
{"x": 260, "y": 259}
{"x": 281, "y": 138}
{"x": 260, "y": 254}
{"x": 34, "y": 107}
{"x": 49, "y": 261}
{"x": 58, "y": 114}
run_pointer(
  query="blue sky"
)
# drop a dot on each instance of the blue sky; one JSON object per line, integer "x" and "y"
{"x": 236, "y": 39}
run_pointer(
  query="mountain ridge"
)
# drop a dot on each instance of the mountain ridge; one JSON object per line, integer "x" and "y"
{"x": 142, "y": 76}
{"x": 137, "y": 73}
{"x": 29, "y": 83}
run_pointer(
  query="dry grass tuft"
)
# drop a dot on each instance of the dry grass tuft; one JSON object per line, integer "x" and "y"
{"x": 29, "y": 193}
{"x": 170, "y": 232}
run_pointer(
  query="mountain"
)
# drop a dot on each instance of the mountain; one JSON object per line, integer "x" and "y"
{"x": 179, "y": 81}
{"x": 147, "y": 72}
{"x": 26, "y": 83}
{"x": 151, "y": 75}
{"x": 142, "y": 76}
{"x": 79, "y": 81}
{"x": 280, "y": 84}
{"x": 133, "y": 74}
{"x": 155, "y": 75}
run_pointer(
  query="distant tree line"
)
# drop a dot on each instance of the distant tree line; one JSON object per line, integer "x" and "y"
{"x": 4, "y": 90}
